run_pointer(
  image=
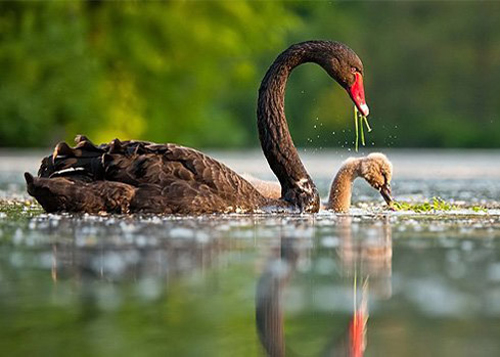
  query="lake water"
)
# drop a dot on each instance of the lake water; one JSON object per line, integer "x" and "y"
{"x": 388, "y": 283}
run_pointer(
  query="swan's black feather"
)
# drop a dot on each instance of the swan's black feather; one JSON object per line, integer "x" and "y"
{"x": 157, "y": 178}
{"x": 71, "y": 194}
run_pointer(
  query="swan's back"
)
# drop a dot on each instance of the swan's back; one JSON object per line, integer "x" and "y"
{"x": 164, "y": 178}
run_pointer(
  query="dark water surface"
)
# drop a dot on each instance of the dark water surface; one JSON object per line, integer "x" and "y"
{"x": 393, "y": 284}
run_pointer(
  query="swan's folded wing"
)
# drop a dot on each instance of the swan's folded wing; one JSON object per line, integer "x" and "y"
{"x": 170, "y": 178}
{"x": 168, "y": 164}
{"x": 63, "y": 194}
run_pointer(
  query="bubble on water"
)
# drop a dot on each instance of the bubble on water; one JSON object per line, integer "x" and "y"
{"x": 202, "y": 237}
{"x": 493, "y": 272}
{"x": 181, "y": 233}
{"x": 330, "y": 242}
{"x": 467, "y": 245}
{"x": 141, "y": 241}
{"x": 436, "y": 228}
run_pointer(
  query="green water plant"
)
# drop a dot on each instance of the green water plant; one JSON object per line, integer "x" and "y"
{"x": 13, "y": 209}
{"x": 359, "y": 121}
{"x": 434, "y": 204}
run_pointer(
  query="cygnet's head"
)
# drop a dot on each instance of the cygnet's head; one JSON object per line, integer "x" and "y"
{"x": 376, "y": 169}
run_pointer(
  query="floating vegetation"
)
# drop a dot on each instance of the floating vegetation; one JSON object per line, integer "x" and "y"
{"x": 359, "y": 121}
{"x": 434, "y": 204}
{"x": 16, "y": 209}
{"x": 478, "y": 209}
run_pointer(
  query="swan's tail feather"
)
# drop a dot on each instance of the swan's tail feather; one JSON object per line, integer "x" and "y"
{"x": 79, "y": 138}
{"x": 83, "y": 161}
{"x": 89, "y": 162}
{"x": 65, "y": 194}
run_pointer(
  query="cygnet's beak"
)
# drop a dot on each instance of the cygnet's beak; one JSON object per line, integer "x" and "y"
{"x": 385, "y": 191}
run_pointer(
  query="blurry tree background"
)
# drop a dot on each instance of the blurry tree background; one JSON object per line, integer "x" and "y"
{"x": 189, "y": 71}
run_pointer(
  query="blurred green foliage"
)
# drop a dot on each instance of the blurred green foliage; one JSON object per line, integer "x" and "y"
{"x": 189, "y": 71}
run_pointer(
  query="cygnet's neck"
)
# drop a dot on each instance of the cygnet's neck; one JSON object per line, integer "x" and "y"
{"x": 341, "y": 189}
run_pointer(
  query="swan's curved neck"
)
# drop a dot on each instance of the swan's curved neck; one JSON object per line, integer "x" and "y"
{"x": 341, "y": 189}
{"x": 297, "y": 186}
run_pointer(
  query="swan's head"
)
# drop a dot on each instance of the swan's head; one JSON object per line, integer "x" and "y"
{"x": 376, "y": 169}
{"x": 344, "y": 65}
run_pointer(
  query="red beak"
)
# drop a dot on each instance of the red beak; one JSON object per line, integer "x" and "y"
{"x": 357, "y": 93}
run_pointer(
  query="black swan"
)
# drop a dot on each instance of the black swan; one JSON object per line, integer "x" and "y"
{"x": 375, "y": 168}
{"x": 137, "y": 176}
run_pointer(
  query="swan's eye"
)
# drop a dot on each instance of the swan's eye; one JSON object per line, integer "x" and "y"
{"x": 354, "y": 69}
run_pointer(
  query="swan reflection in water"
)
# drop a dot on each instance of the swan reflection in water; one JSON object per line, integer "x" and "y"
{"x": 365, "y": 257}
{"x": 362, "y": 252}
